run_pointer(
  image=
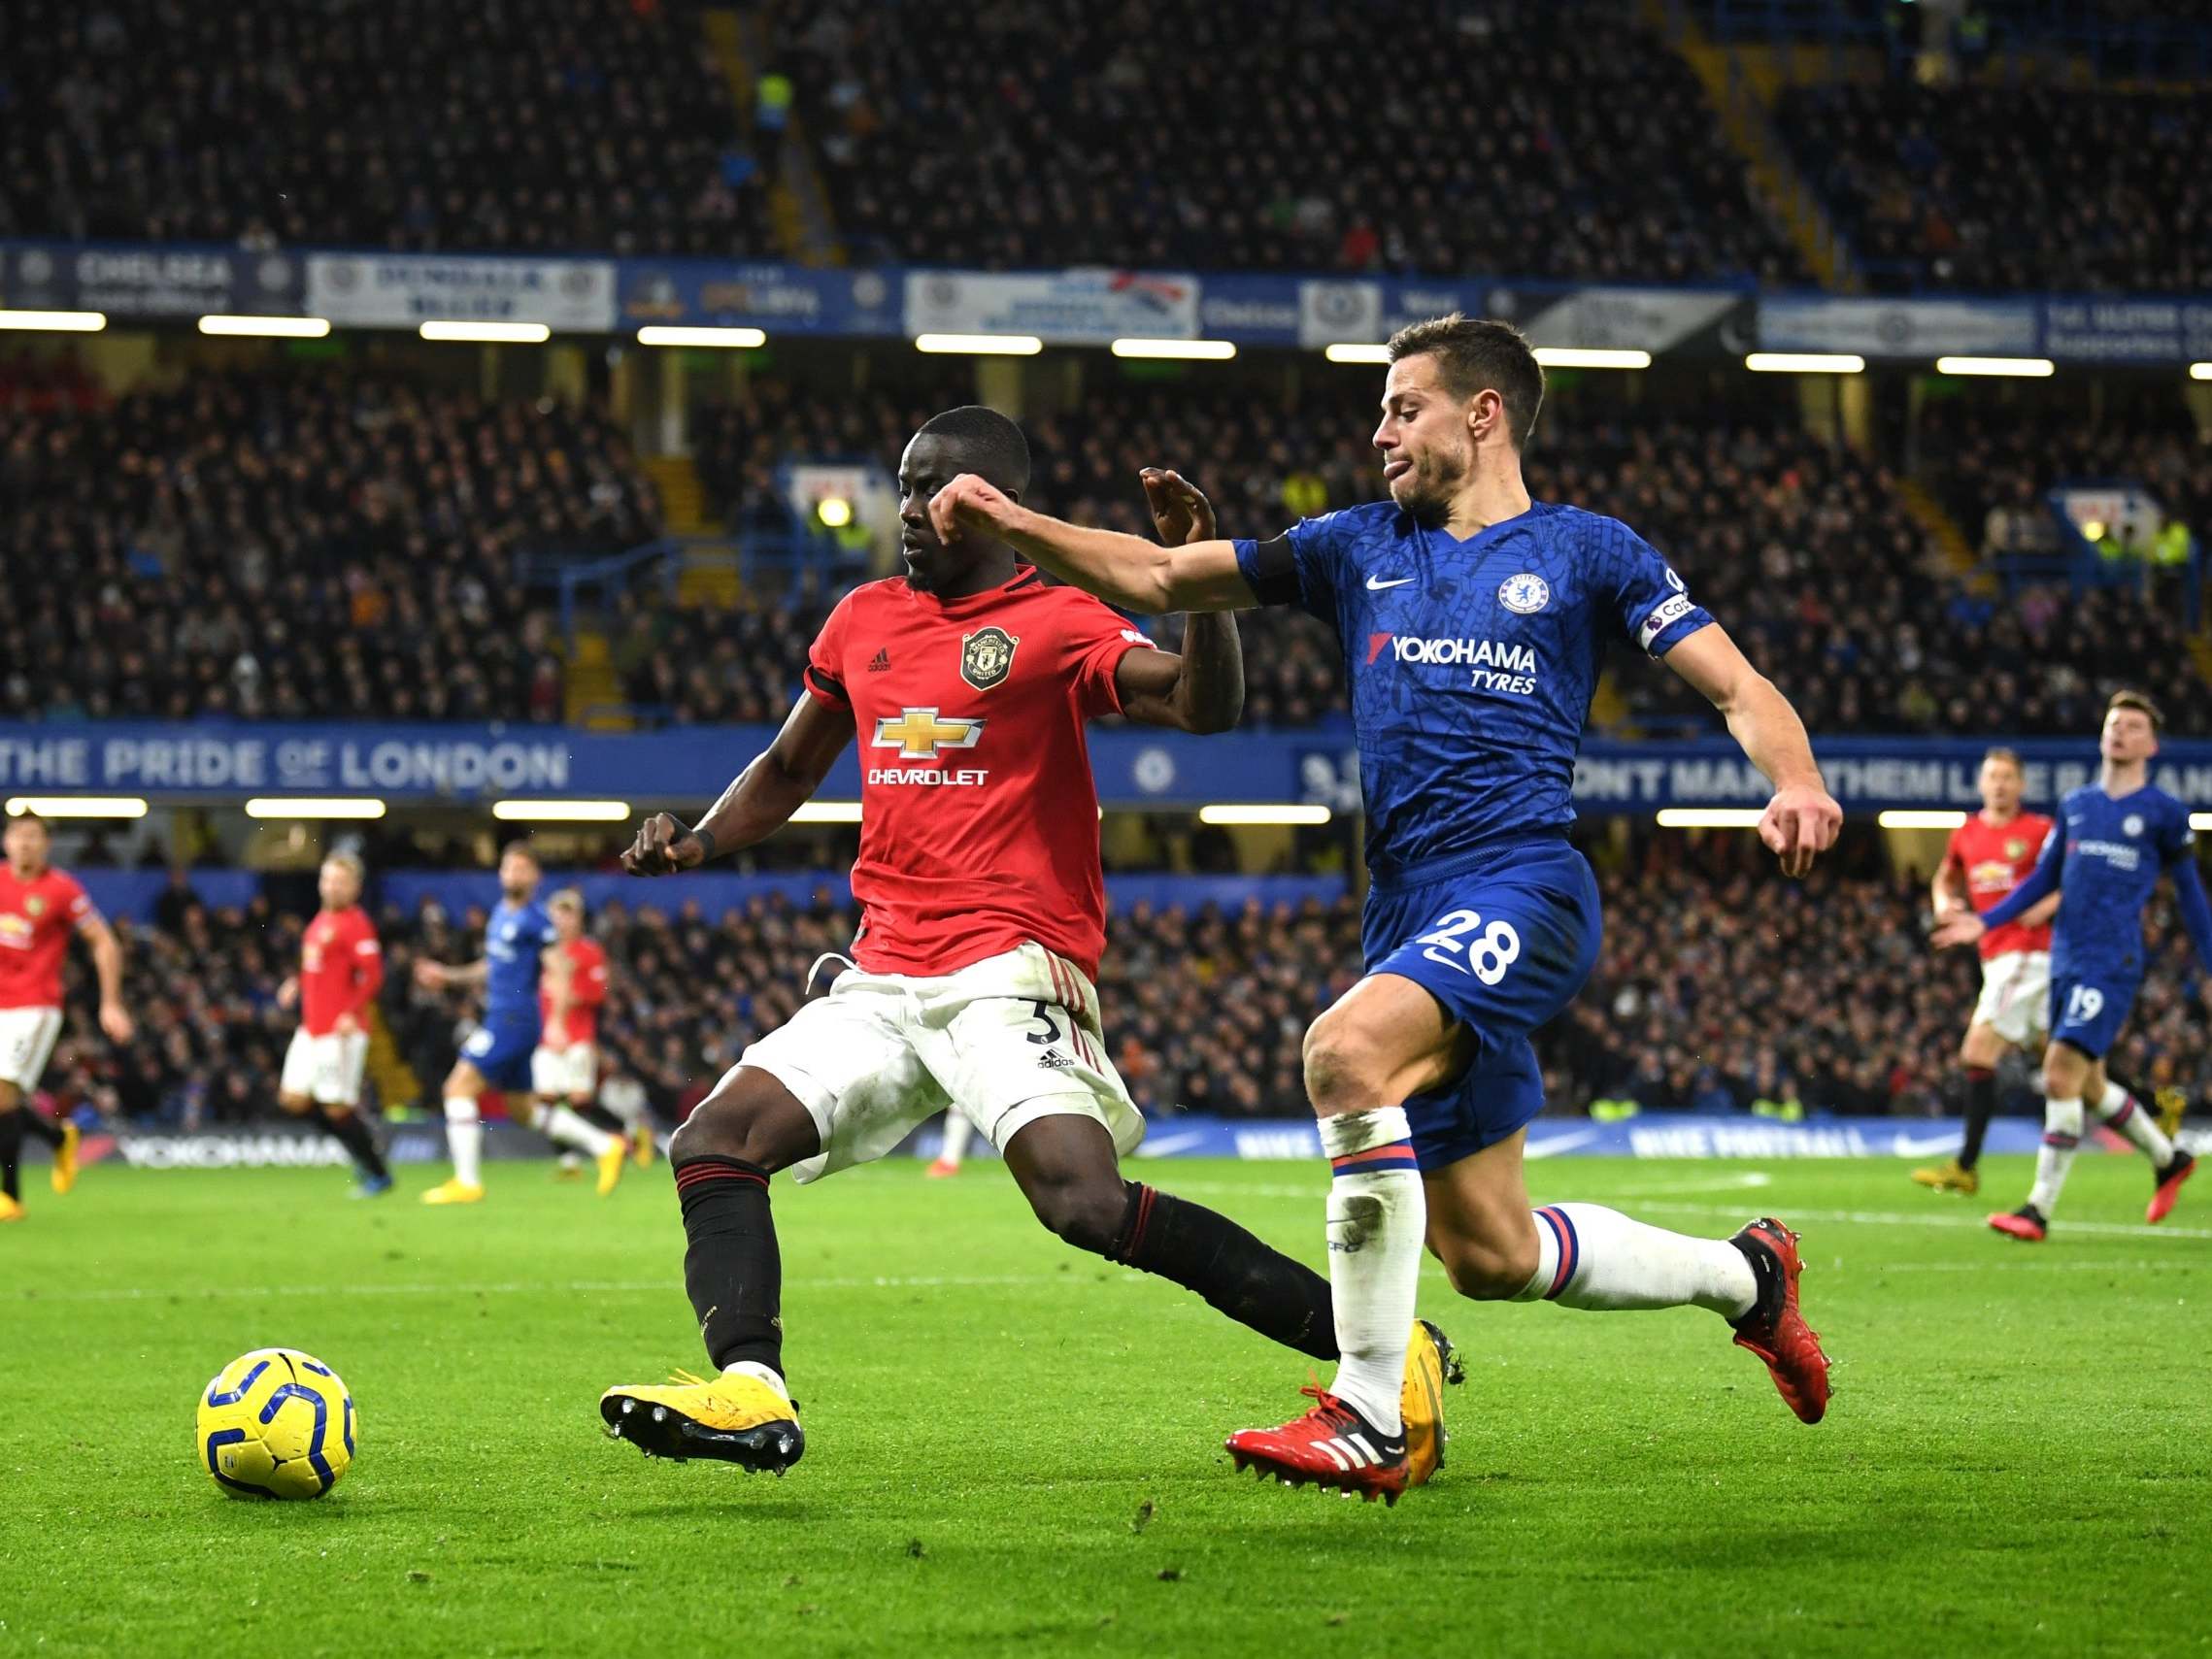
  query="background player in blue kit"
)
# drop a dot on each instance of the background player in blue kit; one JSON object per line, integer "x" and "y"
{"x": 1473, "y": 623}
{"x": 497, "y": 1053}
{"x": 2103, "y": 857}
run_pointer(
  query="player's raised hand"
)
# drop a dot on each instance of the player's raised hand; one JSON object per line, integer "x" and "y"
{"x": 662, "y": 848}
{"x": 430, "y": 975}
{"x": 969, "y": 503}
{"x": 1799, "y": 825}
{"x": 288, "y": 993}
{"x": 1179, "y": 510}
{"x": 116, "y": 1022}
{"x": 1960, "y": 927}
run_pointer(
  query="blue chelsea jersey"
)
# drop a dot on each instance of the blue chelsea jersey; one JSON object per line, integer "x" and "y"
{"x": 2110, "y": 852}
{"x": 512, "y": 942}
{"x": 1471, "y": 663}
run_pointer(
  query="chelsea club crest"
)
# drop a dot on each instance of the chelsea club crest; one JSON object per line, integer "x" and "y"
{"x": 1524, "y": 594}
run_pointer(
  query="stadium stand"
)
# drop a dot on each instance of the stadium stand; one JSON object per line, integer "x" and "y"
{"x": 1229, "y": 137}
{"x": 2004, "y": 186}
{"x": 325, "y": 545}
{"x": 564, "y": 125}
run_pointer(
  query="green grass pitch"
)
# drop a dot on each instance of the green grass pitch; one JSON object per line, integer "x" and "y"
{"x": 1015, "y": 1450}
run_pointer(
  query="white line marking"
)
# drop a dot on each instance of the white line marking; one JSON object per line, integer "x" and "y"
{"x": 673, "y": 1282}
{"x": 1886, "y": 1219}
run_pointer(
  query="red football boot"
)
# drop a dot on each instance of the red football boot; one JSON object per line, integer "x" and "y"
{"x": 2027, "y": 1225}
{"x": 2169, "y": 1186}
{"x": 1331, "y": 1445}
{"x": 1774, "y": 1329}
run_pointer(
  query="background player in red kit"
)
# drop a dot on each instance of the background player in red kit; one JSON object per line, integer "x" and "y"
{"x": 40, "y": 908}
{"x": 341, "y": 969}
{"x": 1990, "y": 854}
{"x": 564, "y": 1067}
{"x": 967, "y": 684}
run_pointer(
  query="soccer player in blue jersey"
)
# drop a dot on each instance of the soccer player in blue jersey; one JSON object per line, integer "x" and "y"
{"x": 497, "y": 1053}
{"x": 1473, "y": 622}
{"x": 2103, "y": 858}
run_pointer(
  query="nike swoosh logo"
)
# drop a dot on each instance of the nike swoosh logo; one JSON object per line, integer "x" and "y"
{"x": 1553, "y": 1146}
{"x": 1923, "y": 1145}
{"x": 1167, "y": 1146}
{"x": 1374, "y": 586}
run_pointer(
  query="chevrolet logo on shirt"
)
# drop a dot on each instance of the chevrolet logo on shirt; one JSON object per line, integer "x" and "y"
{"x": 919, "y": 732}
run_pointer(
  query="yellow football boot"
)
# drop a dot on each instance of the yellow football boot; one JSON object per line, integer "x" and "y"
{"x": 566, "y": 1171}
{"x": 1947, "y": 1177}
{"x": 1430, "y": 1364}
{"x": 2174, "y": 1104}
{"x": 10, "y": 1209}
{"x": 65, "y": 1158}
{"x": 735, "y": 1417}
{"x": 641, "y": 1148}
{"x": 454, "y": 1191}
{"x": 611, "y": 1163}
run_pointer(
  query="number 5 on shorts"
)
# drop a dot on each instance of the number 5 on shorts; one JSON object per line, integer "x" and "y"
{"x": 1488, "y": 958}
{"x": 2084, "y": 1003}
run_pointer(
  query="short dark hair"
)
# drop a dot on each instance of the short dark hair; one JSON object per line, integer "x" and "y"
{"x": 521, "y": 845}
{"x": 992, "y": 444}
{"x": 1997, "y": 752}
{"x": 2141, "y": 703}
{"x": 1476, "y": 354}
{"x": 27, "y": 816}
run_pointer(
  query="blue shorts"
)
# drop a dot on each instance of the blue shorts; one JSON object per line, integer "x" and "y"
{"x": 502, "y": 1054}
{"x": 2088, "y": 1010}
{"x": 1503, "y": 941}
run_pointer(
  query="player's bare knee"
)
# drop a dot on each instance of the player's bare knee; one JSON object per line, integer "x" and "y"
{"x": 1082, "y": 1209}
{"x": 296, "y": 1104}
{"x": 749, "y": 1117}
{"x": 1344, "y": 1067}
{"x": 1486, "y": 1270}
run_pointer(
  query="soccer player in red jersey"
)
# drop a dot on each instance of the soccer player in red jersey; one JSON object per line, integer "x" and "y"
{"x": 564, "y": 1067}
{"x": 1990, "y": 854}
{"x": 40, "y": 908}
{"x": 341, "y": 969}
{"x": 967, "y": 684}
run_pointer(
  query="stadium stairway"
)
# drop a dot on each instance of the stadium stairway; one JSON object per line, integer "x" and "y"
{"x": 1742, "y": 87}
{"x": 797, "y": 204}
{"x": 395, "y": 1081}
{"x": 591, "y": 694}
{"x": 683, "y": 498}
{"x": 1942, "y": 530}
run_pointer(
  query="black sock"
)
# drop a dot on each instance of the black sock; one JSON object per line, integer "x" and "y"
{"x": 12, "y": 1152}
{"x": 733, "y": 1271}
{"x": 349, "y": 1130}
{"x": 599, "y": 1117}
{"x": 34, "y": 1124}
{"x": 1981, "y": 1103}
{"x": 1203, "y": 1251}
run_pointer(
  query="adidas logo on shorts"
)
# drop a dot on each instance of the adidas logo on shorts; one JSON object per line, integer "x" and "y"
{"x": 1055, "y": 1061}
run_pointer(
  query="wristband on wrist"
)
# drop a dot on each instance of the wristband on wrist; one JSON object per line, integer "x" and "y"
{"x": 706, "y": 839}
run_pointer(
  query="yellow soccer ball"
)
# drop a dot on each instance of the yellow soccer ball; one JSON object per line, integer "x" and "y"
{"x": 276, "y": 1423}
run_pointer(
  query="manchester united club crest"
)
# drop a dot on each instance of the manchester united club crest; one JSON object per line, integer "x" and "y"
{"x": 2014, "y": 848}
{"x": 34, "y": 907}
{"x": 987, "y": 657}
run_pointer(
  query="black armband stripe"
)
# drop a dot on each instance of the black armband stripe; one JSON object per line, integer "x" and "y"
{"x": 827, "y": 686}
{"x": 1274, "y": 572}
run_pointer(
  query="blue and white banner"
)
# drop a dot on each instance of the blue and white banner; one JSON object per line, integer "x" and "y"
{"x": 1899, "y": 328}
{"x": 127, "y": 279}
{"x": 399, "y": 290}
{"x": 787, "y": 299}
{"x": 1074, "y": 307}
{"x": 2120, "y": 330}
{"x": 1134, "y": 765}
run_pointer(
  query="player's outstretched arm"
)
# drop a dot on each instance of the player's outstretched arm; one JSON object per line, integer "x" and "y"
{"x": 1126, "y": 571}
{"x": 1202, "y": 691}
{"x": 2196, "y": 913}
{"x": 108, "y": 968}
{"x": 2040, "y": 884}
{"x": 1801, "y": 822}
{"x": 759, "y": 801}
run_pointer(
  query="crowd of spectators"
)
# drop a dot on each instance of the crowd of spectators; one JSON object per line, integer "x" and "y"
{"x": 1717, "y": 988}
{"x": 558, "y": 125}
{"x": 321, "y": 545}
{"x": 1539, "y": 138}
{"x": 1997, "y": 187}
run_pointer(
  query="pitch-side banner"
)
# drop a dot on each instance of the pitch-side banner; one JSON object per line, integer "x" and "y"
{"x": 399, "y": 290}
{"x": 1075, "y": 307}
{"x": 1901, "y": 329}
{"x": 127, "y": 279}
{"x": 1654, "y": 1135}
{"x": 780, "y": 299}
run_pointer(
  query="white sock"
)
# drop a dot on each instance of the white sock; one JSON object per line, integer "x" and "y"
{"x": 1378, "y": 1216}
{"x": 752, "y": 1368}
{"x": 957, "y": 1131}
{"x": 1589, "y": 1256}
{"x": 2120, "y": 1110}
{"x": 563, "y": 1127}
{"x": 628, "y": 1109}
{"x": 2061, "y": 1134}
{"x": 465, "y": 1135}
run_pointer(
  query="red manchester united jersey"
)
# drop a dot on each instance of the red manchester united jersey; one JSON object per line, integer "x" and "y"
{"x": 587, "y": 991}
{"x": 979, "y": 819}
{"x": 341, "y": 967}
{"x": 36, "y": 920}
{"x": 1996, "y": 858}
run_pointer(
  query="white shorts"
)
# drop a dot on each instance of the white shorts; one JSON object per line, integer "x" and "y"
{"x": 1004, "y": 1042}
{"x": 563, "y": 1073}
{"x": 26, "y": 1039}
{"x": 2015, "y": 996}
{"x": 326, "y": 1068}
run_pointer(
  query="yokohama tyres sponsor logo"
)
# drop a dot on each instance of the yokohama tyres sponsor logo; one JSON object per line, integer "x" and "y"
{"x": 228, "y": 1151}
